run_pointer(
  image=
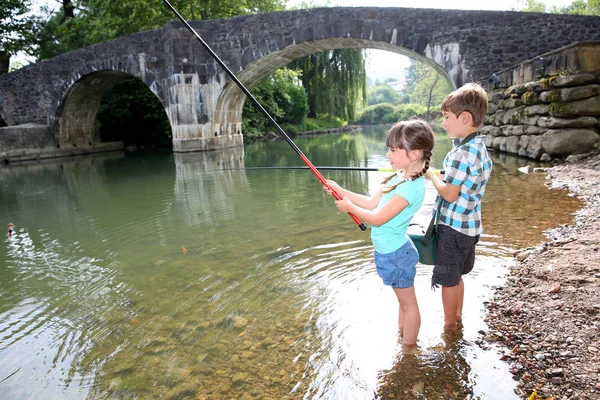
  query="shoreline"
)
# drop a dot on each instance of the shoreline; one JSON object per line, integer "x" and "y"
{"x": 272, "y": 136}
{"x": 546, "y": 317}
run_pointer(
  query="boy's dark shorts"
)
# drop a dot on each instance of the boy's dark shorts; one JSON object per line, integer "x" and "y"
{"x": 455, "y": 256}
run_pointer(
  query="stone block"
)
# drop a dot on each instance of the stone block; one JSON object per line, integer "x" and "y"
{"x": 570, "y": 94}
{"x": 512, "y": 144}
{"x": 578, "y": 122}
{"x": 534, "y": 147}
{"x": 564, "y": 142}
{"x": 572, "y": 80}
{"x": 589, "y": 106}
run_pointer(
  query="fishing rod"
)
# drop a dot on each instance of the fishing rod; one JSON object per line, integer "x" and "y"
{"x": 328, "y": 168}
{"x": 275, "y": 124}
{"x": 437, "y": 171}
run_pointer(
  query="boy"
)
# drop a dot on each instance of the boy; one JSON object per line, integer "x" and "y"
{"x": 467, "y": 168}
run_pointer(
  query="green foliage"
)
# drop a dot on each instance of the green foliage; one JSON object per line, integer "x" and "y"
{"x": 306, "y": 4}
{"x": 403, "y": 112}
{"x": 388, "y": 113}
{"x": 16, "y": 29}
{"x": 131, "y": 113}
{"x": 426, "y": 86}
{"x": 532, "y": 6}
{"x": 282, "y": 97}
{"x": 382, "y": 94}
{"x": 335, "y": 81}
{"x": 315, "y": 124}
{"x": 377, "y": 114}
{"x": 580, "y": 7}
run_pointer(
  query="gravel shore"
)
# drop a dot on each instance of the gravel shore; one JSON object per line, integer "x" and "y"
{"x": 546, "y": 319}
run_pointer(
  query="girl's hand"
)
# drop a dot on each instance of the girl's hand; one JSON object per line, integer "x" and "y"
{"x": 333, "y": 186}
{"x": 344, "y": 204}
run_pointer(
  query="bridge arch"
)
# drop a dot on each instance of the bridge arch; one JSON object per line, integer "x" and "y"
{"x": 228, "y": 110}
{"x": 77, "y": 115}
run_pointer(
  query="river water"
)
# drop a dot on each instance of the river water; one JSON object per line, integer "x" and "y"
{"x": 160, "y": 275}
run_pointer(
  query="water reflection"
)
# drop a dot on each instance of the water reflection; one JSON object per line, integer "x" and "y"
{"x": 440, "y": 372}
{"x": 275, "y": 295}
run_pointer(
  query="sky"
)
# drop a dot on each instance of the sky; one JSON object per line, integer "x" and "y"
{"x": 382, "y": 64}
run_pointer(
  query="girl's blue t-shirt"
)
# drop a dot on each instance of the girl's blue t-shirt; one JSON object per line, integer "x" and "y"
{"x": 392, "y": 235}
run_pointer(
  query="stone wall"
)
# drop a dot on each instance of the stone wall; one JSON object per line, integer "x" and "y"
{"x": 25, "y": 136}
{"x": 34, "y": 142}
{"x": 554, "y": 115}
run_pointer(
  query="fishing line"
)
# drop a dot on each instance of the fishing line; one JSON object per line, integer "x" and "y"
{"x": 267, "y": 115}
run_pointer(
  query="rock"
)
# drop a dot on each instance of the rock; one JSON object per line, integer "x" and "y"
{"x": 526, "y": 170}
{"x": 570, "y": 94}
{"x": 589, "y": 106}
{"x": 579, "y": 122}
{"x": 571, "y": 80}
{"x": 419, "y": 388}
{"x": 564, "y": 142}
{"x": 240, "y": 322}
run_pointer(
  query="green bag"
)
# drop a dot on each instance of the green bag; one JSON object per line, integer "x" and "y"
{"x": 424, "y": 239}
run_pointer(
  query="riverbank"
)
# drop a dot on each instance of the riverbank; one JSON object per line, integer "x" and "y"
{"x": 271, "y": 136}
{"x": 546, "y": 318}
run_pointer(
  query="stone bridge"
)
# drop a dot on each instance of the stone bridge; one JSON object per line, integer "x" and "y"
{"x": 205, "y": 108}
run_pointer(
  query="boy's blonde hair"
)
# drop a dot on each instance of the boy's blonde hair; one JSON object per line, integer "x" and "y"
{"x": 471, "y": 98}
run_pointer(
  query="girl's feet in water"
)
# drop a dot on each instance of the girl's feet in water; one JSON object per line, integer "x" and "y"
{"x": 410, "y": 349}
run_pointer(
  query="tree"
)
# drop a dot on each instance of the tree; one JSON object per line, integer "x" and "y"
{"x": 425, "y": 86}
{"x": 335, "y": 81}
{"x": 16, "y": 27}
{"x": 382, "y": 94}
{"x": 581, "y": 7}
{"x": 282, "y": 96}
{"x": 532, "y": 6}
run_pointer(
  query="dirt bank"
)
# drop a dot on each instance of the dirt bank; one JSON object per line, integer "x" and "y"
{"x": 547, "y": 317}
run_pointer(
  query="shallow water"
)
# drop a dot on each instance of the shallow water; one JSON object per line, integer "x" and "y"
{"x": 180, "y": 275}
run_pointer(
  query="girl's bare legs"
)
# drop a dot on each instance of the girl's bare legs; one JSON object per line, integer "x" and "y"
{"x": 409, "y": 317}
{"x": 400, "y": 321}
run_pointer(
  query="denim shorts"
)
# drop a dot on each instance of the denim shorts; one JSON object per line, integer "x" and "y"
{"x": 398, "y": 268}
{"x": 455, "y": 256}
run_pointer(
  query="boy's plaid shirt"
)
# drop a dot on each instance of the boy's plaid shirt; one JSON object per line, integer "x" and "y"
{"x": 468, "y": 166}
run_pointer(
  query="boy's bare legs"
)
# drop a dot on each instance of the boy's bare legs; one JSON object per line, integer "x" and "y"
{"x": 451, "y": 299}
{"x": 409, "y": 317}
{"x": 461, "y": 297}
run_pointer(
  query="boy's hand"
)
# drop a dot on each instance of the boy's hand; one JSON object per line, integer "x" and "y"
{"x": 431, "y": 172}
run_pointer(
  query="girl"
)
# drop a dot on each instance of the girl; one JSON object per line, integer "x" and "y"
{"x": 390, "y": 211}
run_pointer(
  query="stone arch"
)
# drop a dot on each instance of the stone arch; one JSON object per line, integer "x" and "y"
{"x": 77, "y": 114}
{"x": 228, "y": 110}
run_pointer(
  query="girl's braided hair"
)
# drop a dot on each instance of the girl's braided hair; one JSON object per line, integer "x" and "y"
{"x": 413, "y": 134}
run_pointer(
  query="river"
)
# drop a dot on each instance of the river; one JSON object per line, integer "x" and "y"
{"x": 161, "y": 275}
